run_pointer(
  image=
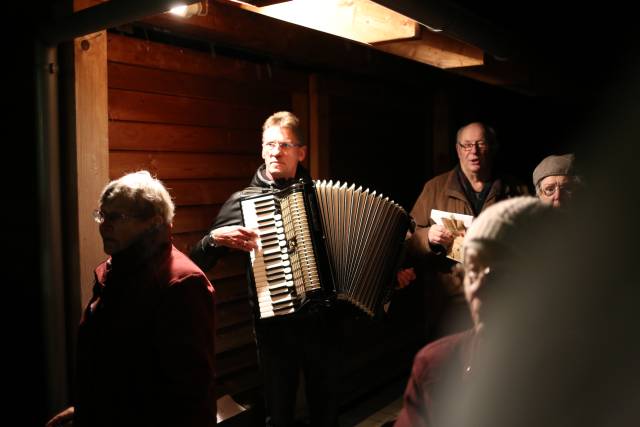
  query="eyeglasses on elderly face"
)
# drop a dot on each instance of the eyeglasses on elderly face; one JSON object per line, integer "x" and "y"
{"x": 100, "y": 216}
{"x": 468, "y": 146}
{"x": 282, "y": 145}
{"x": 550, "y": 189}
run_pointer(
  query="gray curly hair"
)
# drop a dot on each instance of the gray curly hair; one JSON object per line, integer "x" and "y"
{"x": 148, "y": 194}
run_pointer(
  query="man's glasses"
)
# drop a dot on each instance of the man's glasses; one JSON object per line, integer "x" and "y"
{"x": 468, "y": 146}
{"x": 550, "y": 190}
{"x": 112, "y": 217}
{"x": 282, "y": 145}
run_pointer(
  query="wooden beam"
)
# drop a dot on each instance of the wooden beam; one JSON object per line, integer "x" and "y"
{"x": 92, "y": 151}
{"x": 232, "y": 26}
{"x": 435, "y": 49}
{"x": 359, "y": 20}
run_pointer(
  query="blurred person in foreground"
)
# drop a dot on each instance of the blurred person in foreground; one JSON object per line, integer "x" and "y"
{"x": 146, "y": 338}
{"x": 492, "y": 246}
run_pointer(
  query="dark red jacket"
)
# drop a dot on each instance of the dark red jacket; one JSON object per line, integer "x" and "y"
{"x": 438, "y": 368}
{"x": 146, "y": 341}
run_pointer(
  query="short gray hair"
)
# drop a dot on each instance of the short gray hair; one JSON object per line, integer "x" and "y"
{"x": 148, "y": 194}
{"x": 285, "y": 119}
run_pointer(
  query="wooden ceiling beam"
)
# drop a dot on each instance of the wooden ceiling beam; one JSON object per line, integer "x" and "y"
{"x": 360, "y": 20}
{"x": 229, "y": 25}
{"x": 435, "y": 49}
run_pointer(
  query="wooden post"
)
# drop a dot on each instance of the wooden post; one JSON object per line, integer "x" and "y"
{"x": 91, "y": 153}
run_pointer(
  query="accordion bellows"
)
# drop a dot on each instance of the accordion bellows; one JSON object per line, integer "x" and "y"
{"x": 324, "y": 240}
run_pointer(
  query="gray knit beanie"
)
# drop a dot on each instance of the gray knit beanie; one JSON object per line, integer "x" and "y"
{"x": 504, "y": 224}
{"x": 554, "y": 165}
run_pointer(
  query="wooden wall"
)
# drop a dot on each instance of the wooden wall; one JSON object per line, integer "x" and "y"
{"x": 193, "y": 119}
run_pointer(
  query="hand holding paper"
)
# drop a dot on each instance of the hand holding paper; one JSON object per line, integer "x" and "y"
{"x": 456, "y": 225}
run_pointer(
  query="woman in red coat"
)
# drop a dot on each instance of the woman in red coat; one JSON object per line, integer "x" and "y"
{"x": 146, "y": 338}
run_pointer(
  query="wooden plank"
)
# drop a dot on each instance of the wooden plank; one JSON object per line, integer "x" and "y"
{"x": 371, "y": 89}
{"x": 183, "y": 165}
{"x": 131, "y": 77}
{"x": 231, "y": 289}
{"x": 232, "y": 265}
{"x": 154, "y": 108}
{"x": 164, "y": 137}
{"x": 233, "y": 313}
{"x": 185, "y": 241}
{"x": 232, "y": 338}
{"x": 437, "y": 50}
{"x": 245, "y": 381}
{"x": 240, "y": 359}
{"x": 203, "y": 191}
{"x": 360, "y": 20}
{"x": 135, "y": 51}
{"x": 194, "y": 218}
{"x": 91, "y": 153}
{"x": 226, "y": 24}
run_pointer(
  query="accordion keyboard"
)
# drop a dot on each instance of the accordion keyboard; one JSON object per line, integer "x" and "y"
{"x": 270, "y": 262}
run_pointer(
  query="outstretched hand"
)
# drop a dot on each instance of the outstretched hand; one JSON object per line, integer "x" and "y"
{"x": 235, "y": 237}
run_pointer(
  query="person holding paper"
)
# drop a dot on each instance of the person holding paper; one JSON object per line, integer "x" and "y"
{"x": 469, "y": 188}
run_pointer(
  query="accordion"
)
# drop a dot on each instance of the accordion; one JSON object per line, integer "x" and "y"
{"x": 322, "y": 241}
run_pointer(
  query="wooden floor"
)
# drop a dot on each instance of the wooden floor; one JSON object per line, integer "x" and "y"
{"x": 383, "y": 416}
{"x": 381, "y": 407}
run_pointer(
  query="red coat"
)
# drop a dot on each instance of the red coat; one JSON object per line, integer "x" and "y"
{"x": 146, "y": 342}
{"x": 437, "y": 369}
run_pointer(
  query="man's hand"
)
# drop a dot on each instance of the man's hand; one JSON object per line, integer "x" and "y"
{"x": 235, "y": 237}
{"x": 405, "y": 277}
{"x": 439, "y": 235}
{"x": 61, "y": 418}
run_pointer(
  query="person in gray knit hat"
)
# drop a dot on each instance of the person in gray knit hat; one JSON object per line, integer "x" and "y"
{"x": 497, "y": 239}
{"x": 555, "y": 179}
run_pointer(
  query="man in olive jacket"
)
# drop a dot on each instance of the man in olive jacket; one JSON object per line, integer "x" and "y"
{"x": 469, "y": 188}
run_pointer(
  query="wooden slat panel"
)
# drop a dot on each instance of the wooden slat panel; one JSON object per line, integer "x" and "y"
{"x": 165, "y": 137}
{"x": 231, "y": 265}
{"x": 130, "y": 50}
{"x": 130, "y": 77}
{"x": 370, "y": 90}
{"x": 203, "y": 191}
{"x": 194, "y": 218}
{"x": 183, "y": 166}
{"x": 233, "y": 314}
{"x": 245, "y": 380}
{"x": 237, "y": 360}
{"x": 231, "y": 338}
{"x": 231, "y": 289}
{"x": 153, "y": 108}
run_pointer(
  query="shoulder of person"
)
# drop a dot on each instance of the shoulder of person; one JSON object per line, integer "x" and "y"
{"x": 438, "y": 182}
{"x": 182, "y": 267}
{"x": 438, "y": 352}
